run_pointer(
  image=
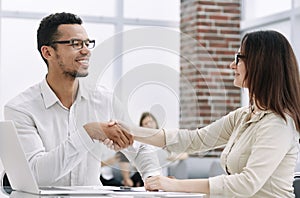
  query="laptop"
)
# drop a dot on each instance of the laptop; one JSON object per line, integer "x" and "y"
{"x": 19, "y": 173}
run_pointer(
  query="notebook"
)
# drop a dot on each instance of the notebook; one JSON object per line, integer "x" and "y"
{"x": 19, "y": 173}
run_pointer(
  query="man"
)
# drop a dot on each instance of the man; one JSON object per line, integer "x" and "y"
{"x": 58, "y": 120}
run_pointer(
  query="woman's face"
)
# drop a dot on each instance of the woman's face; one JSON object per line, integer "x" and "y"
{"x": 239, "y": 68}
{"x": 148, "y": 122}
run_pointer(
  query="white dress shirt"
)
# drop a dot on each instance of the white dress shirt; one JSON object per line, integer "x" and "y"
{"x": 59, "y": 150}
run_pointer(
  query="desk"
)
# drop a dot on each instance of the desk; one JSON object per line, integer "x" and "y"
{"x": 16, "y": 194}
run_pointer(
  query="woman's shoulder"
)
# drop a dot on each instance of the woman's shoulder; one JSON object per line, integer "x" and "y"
{"x": 275, "y": 119}
{"x": 275, "y": 124}
{"x": 239, "y": 112}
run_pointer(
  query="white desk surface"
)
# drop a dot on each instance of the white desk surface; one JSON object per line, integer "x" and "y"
{"x": 16, "y": 194}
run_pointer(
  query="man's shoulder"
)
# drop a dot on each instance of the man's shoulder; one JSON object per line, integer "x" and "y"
{"x": 97, "y": 90}
{"x": 27, "y": 96}
{"x": 103, "y": 90}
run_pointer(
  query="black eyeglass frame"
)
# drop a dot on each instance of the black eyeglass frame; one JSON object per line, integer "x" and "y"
{"x": 75, "y": 45}
{"x": 237, "y": 58}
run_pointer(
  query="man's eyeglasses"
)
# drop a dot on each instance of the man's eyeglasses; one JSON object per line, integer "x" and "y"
{"x": 237, "y": 58}
{"x": 77, "y": 43}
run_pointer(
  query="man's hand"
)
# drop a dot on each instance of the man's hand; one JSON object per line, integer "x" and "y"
{"x": 101, "y": 131}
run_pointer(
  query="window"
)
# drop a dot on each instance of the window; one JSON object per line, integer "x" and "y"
{"x": 88, "y": 7}
{"x": 254, "y": 9}
{"x": 152, "y": 10}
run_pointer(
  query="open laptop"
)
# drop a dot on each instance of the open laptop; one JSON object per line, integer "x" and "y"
{"x": 19, "y": 173}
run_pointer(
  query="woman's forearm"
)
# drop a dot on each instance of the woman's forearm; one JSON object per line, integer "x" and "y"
{"x": 194, "y": 185}
{"x": 177, "y": 185}
{"x": 155, "y": 137}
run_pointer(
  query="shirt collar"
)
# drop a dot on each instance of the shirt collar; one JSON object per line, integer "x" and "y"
{"x": 50, "y": 97}
{"x": 258, "y": 116}
{"x": 82, "y": 90}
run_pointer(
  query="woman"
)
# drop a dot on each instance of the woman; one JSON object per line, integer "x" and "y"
{"x": 168, "y": 160}
{"x": 148, "y": 120}
{"x": 261, "y": 139}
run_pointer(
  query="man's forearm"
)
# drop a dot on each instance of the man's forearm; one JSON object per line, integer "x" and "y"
{"x": 60, "y": 160}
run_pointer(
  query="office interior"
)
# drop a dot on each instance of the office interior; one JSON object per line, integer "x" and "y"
{"x": 113, "y": 23}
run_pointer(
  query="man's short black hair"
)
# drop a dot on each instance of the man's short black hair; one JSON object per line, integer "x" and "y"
{"x": 47, "y": 31}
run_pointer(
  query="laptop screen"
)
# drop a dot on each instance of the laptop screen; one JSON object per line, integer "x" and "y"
{"x": 14, "y": 160}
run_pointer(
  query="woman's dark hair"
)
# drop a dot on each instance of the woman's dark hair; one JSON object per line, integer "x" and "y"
{"x": 272, "y": 73}
{"x": 47, "y": 31}
{"x": 148, "y": 114}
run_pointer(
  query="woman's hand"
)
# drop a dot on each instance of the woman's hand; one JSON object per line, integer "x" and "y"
{"x": 162, "y": 183}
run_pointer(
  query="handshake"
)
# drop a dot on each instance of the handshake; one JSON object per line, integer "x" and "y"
{"x": 113, "y": 134}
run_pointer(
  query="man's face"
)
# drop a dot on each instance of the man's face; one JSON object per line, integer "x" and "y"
{"x": 67, "y": 60}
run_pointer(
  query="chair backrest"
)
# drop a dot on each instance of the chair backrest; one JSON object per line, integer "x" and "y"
{"x": 216, "y": 169}
{"x": 5, "y": 185}
{"x": 296, "y": 185}
{"x": 179, "y": 170}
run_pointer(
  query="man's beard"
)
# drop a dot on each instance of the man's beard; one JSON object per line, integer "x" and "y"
{"x": 70, "y": 74}
{"x": 75, "y": 74}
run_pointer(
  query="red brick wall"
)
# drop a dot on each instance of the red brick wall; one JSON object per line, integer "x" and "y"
{"x": 210, "y": 37}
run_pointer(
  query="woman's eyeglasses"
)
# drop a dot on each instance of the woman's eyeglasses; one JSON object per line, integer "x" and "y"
{"x": 237, "y": 58}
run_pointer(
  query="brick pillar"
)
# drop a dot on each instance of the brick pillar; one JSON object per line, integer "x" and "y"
{"x": 210, "y": 37}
